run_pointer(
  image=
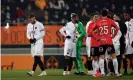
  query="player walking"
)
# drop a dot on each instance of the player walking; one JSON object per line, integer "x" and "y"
{"x": 35, "y": 34}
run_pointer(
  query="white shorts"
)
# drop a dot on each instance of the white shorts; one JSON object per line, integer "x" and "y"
{"x": 37, "y": 49}
{"x": 88, "y": 45}
{"x": 129, "y": 49}
{"x": 117, "y": 49}
{"x": 70, "y": 48}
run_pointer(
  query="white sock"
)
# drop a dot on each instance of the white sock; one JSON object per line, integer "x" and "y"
{"x": 101, "y": 65}
{"x": 95, "y": 66}
{"x": 115, "y": 64}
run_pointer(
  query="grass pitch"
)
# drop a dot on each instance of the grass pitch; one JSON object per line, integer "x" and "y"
{"x": 52, "y": 75}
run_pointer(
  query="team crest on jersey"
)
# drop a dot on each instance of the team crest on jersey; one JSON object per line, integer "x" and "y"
{"x": 109, "y": 49}
{"x": 100, "y": 49}
{"x": 35, "y": 27}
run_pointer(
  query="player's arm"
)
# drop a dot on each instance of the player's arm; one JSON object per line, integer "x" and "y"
{"x": 62, "y": 31}
{"x": 42, "y": 32}
{"x": 82, "y": 30}
{"x": 29, "y": 35}
{"x": 118, "y": 36}
{"x": 116, "y": 28}
{"x": 87, "y": 27}
{"x": 28, "y": 32}
{"x": 92, "y": 32}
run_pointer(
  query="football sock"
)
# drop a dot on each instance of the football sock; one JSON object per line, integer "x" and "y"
{"x": 70, "y": 64}
{"x": 115, "y": 64}
{"x": 89, "y": 64}
{"x": 35, "y": 64}
{"x": 125, "y": 65}
{"x": 101, "y": 65}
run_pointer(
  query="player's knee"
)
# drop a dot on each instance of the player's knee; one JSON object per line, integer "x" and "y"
{"x": 113, "y": 56}
{"x": 101, "y": 57}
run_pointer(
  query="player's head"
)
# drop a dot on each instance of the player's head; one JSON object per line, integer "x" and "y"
{"x": 104, "y": 12}
{"x": 32, "y": 18}
{"x": 110, "y": 15}
{"x": 127, "y": 16}
{"x": 116, "y": 17}
{"x": 74, "y": 17}
{"x": 96, "y": 17}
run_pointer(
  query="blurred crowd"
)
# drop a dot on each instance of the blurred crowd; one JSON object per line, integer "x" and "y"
{"x": 57, "y": 12}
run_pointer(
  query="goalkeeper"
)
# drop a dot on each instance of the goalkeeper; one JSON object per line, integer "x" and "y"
{"x": 80, "y": 33}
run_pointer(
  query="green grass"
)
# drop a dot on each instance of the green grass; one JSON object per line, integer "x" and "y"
{"x": 52, "y": 75}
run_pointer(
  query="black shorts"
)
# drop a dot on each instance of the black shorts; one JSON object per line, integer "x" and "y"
{"x": 94, "y": 51}
{"x": 109, "y": 48}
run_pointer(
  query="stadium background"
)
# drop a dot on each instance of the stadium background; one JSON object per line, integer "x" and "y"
{"x": 15, "y": 47}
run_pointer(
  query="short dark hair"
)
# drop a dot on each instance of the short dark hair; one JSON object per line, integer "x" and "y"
{"x": 73, "y": 15}
{"x": 104, "y": 12}
{"x": 31, "y": 15}
{"x": 118, "y": 14}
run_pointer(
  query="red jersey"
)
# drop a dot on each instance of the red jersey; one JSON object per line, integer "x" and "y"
{"x": 94, "y": 42}
{"x": 104, "y": 27}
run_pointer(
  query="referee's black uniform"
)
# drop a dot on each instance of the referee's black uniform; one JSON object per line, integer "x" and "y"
{"x": 123, "y": 29}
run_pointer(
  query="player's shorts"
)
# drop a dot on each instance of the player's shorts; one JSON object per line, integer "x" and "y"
{"x": 94, "y": 51}
{"x": 109, "y": 48}
{"x": 70, "y": 49}
{"x": 37, "y": 49}
{"x": 88, "y": 44}
{"x": 129, "y": 49}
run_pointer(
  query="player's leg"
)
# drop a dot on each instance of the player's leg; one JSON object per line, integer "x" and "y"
{"x": 39, "y": 53}
{"x": 66, "y": 59}
{"x": 72, "y": 57}
{"x": 111, "y": 51}
{"x": 35, "y": 62}
{"x": 119, "y": 57}
{"x": 95, "y": 66}
{"x": 89, "y": 66}
{"x": 130, "y": 52}
{"x": 131, "y": 63}
{"x": 102, "y": 50}
{"x": 125, "y": 65}
{"x": 78, "y": 49}
{"x": 41, "y": 65}
{"x": 89, "y": 61}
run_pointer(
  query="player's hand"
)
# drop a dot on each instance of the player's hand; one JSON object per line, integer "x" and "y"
{"x": 31, "y": 41}
{"x": 68, "y": 37}
{"x": 34, "y": 40}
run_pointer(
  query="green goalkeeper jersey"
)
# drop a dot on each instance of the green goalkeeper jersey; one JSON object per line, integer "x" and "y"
{"x": 80, "y": 31}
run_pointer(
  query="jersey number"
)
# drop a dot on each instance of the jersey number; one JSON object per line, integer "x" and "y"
{"x": 103, "y": 30}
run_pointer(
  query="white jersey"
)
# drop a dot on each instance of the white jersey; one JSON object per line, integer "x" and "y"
{"x": 129, "y": 36}
{"x": 88, "y": 39}
{"x": 70, "y": 45}
{"x": 69, "y": 30}
{"x": 36, "y": 31}
{"x": 116, "y": 40}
